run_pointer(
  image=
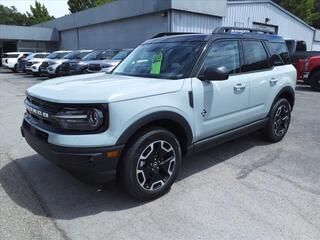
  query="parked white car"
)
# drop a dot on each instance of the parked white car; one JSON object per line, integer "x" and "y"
{"x": 10, "y": 59}
{"x": 33, "y": 66}
{"x": 26, "y": 63}
{"x": 52, "y": 67}
{"x": 172, "y": 96}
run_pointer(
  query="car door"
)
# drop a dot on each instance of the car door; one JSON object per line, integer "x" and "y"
{"x": 220, "y": 106}
{"x": 262, "y": 77}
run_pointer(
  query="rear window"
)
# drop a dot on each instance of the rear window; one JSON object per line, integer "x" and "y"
{"x": 10, "y": 55}
{"x": 256, "y": 57}
{"x": 301, "y": 46}
{"x": 280, "y": 49}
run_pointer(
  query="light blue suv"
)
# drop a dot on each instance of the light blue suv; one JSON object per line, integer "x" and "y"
{"x": 172, "y": 96}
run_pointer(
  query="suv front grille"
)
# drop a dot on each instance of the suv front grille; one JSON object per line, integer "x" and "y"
{"x": 45, "y": 64}
{"x": 29, "y": 64}
{"x": 65, "y": 67}
{"x": 94, "y": 67}
{"x": 42, "y": 114}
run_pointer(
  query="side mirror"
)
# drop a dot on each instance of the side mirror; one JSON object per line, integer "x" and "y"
{"x": 215, "y": 74}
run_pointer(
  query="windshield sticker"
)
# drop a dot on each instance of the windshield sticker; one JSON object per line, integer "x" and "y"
{"x": 156, "y": 63}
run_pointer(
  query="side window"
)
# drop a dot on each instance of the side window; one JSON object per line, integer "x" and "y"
{"x": 280, "y": 49}
{"x": 255, "y": 56}
{"x": 224, "y": 53}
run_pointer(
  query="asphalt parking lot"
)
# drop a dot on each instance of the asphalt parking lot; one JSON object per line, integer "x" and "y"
{"x": 244, "y": 189}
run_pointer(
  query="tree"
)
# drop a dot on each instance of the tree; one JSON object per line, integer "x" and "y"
{"x": 304, "y": 9}
{"x": 10, "y": 16}
{"x": 39, "y": 13}
{"x": 79, "y": 5}
{"x": 101, "y": 2}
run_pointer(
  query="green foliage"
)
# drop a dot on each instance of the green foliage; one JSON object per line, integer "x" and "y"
{"x": 79, "y": 5}
{"x": 304, "y": 9}
{"x": 101, "y": 2}
{"x": 39, "y": 13}
{"x": 10, "y": 16}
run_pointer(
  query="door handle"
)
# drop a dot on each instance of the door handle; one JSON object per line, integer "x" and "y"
{"x": 273, "y": 81}
{"x": 239, "y": 87}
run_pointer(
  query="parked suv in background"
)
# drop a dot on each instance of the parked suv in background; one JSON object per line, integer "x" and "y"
{"x": 22, "y": 62}
{"x": 52, "y": 67}
{"x": 170, "y": 97}
{"x": 34, "y": 65}
{"x": 72, "y": 67}
{"x": 10, "y": 59}
{"x": 306, "y": 62}
{"x": 108, "y": 65}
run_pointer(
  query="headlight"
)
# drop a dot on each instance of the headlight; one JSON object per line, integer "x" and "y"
{"x": 80, "y": 119}
{"x": 34, "y": 63}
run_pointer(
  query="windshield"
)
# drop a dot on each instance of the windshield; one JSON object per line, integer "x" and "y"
{"x": 172, "y": 60}
{"x": 93, "y": 55}
{"x": 57, "y": 55}
{"x": 121, "y": 55}
{"x": 75, "y": 55}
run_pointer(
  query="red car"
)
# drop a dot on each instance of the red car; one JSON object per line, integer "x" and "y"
{"x": 306, "y": 62}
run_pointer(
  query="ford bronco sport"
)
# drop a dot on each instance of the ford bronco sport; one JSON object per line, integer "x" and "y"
{"x": 172, "y": 96}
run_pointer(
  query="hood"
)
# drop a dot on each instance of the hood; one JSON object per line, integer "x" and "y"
{"x": 57, "y": 61}
{"x": 101, "y": 88}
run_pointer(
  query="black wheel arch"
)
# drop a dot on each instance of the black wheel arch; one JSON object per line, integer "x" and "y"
{"x": 172, "y": 121}
{"x": 288, "y": 93}
{"x": 313, "y": 71}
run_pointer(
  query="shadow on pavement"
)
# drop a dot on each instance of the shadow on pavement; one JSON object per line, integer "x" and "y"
{"x": 305, "y": 88}
{"x": 65, "y": 197}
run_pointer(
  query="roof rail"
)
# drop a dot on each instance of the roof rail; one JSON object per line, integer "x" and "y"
{"x": 239, "y": 29}
{"x": 165, "y": 34}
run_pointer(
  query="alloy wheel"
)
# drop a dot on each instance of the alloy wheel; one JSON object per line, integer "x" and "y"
{"x": 155, "y": 165}
{"x": 281, "y": 120}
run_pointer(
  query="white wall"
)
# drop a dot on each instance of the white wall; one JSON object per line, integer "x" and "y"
{"x": 246, "y": 13}
{"x": 193, "y": 22}
{"x": 316, "y": 46}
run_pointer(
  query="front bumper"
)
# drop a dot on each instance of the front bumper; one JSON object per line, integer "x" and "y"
{"x": 91, "y": 163}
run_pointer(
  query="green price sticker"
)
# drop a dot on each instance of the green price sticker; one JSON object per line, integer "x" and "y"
{"x": 156, "y": 63}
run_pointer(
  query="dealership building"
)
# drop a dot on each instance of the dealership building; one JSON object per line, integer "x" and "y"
{"x": 127, "y": 23}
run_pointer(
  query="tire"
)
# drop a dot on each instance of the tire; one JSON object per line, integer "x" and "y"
{"x": 15, "y": 68}
{"x": 314, "y": 81}
{"x": 151, "y": 164}
{"x": 278, "y": 125}
{"x": 84, "y": 71}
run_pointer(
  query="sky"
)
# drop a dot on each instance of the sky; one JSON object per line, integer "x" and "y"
{"x": 57, "y": 8}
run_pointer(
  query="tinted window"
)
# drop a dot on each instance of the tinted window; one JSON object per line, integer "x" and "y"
{"x": 224, "y": 53}
{"x": 280, "y": 49}
{"x": 255, "y": 56}
{"x": 121, "y": 55}
{"x": 108, "y": 54}
{"x": 301, "y": 46}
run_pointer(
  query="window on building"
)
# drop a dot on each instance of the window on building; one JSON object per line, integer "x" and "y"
{"x": 224, "y": 53}
{"x": 255, "y": 55}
